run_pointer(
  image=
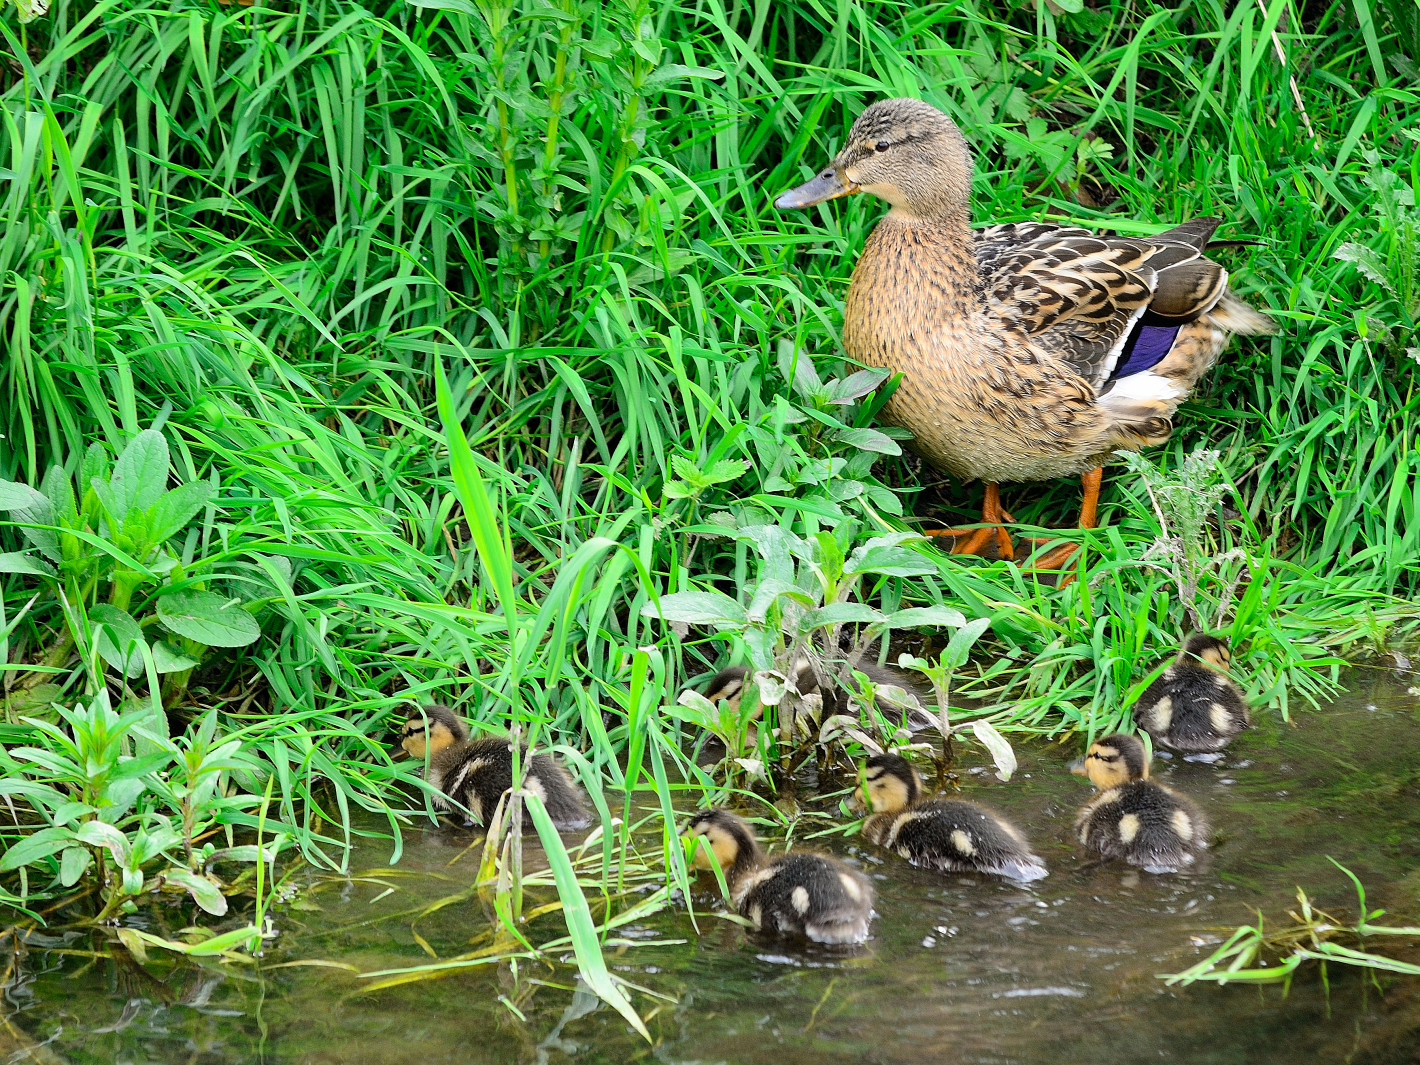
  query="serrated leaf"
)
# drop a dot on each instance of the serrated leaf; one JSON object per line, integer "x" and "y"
{"x": 140, "y": 474}
{"x": 118, "y": 638}
{"x": 175, "y": 508}
{"x": 16, "y": 562}
{"x": 685, "y": 469}
{"x": 723, "y": 470}
{"x": 696, "y": 608}
{"x": 870, "y": 440}
{"x": 17, "y": 496}
{"x": 208, "y": 618}
{"x": 1367, "y": 261}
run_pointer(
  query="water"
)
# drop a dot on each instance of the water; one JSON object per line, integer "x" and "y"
{"x": 962, "y": 969}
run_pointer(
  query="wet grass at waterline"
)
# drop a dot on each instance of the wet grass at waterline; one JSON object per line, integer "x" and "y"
{"x": 242, "y": 242}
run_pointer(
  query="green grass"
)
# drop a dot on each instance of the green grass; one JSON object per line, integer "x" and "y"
{"x": 267, "y": 230}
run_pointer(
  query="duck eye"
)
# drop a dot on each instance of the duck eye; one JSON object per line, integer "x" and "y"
{"x": 881, "y": 146}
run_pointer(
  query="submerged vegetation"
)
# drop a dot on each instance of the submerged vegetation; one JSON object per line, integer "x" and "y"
{"x": 357, "y": 357}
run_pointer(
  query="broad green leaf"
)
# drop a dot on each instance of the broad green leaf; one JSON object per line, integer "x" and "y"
{"x": 60, "y": 493}
{"x": 203, "y": 891}
{"x": 17, "y": 496}
{"x": 870, "y": 440}
{"x": 724, "y": 470}
{"x": 103, "y": 834}
{"x": 118, "y": 637}
{"x": 175, "y": 508}
{"x": 959, "y": 646}
{"x": 16, "y": 562}
{"x": 141, "y": 473}
{"x": 926, "y": 615}
{"x": 696, "y": 608}
{"x": 36, "y": 846}
{"x": 72, "y": 864}
{"x": 168, "y": 659}
{"x": 840, "y": 614}
{"x": 889, "y": 561}
{"x": 208, "y": 618}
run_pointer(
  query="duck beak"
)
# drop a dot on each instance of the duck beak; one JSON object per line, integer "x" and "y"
{"x": 829, "y": 185}
{"x": 1078, "y": 767}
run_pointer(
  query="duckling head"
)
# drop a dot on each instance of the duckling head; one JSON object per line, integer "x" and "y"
{"x": 727, "y": 686}
{"x": 430, "y": 730}
{"x": 725, "y": 834}
{"x": 890, "y": 782}
{"x": 1211, "y": 651}
{"x": 1114, "y": 760}
{"x": 904, "y": 151}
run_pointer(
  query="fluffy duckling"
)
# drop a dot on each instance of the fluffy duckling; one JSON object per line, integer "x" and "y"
{"x": 1194, "y": 707}
{"x": 1133, "y": 818}
{"x": 729, "y": 684}
{"x": 799, "y": 894}
{"x": 475, "y": 773}
{"x": 948, "y": 835}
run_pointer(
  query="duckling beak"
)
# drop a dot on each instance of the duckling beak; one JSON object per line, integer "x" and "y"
{"x": 829, "y": 185}
{"x": 1078, "y": 767}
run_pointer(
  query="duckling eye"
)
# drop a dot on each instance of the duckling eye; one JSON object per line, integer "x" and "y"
{"x": 881, "y": 146}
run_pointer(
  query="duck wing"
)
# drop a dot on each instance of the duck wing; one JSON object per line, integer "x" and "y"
{"x": 1107, "y": 306}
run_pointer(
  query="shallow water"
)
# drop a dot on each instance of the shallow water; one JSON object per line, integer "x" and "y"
{"x": 962, "y": 969}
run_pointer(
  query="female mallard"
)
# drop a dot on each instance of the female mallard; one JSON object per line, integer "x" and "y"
{"x": 1194, "y": 707}
{"x": 1028, "y": 351}
{"x": 1133, "y": 818}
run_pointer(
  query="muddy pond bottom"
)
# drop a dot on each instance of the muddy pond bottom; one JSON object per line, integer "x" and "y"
{"x": 959, "y": 969}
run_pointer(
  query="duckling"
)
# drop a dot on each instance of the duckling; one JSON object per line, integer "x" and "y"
{"x": 729, "y": 684}
{"x": 474, "y": 774}
{"x": 948, "y": 835}
{"x": 800, "y": 894}
{"x": 1133, "y": 818}
{"x": 1194, "y": 707}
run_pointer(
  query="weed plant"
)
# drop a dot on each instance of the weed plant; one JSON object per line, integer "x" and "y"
{"x": 261, "y": 235}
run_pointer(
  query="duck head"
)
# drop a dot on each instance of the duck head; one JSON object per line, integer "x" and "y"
{"x": 903, "y": 151}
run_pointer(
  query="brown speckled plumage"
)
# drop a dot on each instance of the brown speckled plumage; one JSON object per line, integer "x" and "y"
{"x": 1009, "y": 338}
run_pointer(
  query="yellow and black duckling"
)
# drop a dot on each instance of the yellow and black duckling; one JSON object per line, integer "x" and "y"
{"x": 474, "y": 774}
{"x": 800, "y": 894}
{"x": 1028, "y": 350}
{"x": 1194, "y": 707}
{"x": 728, "y": 684}
{"x": 1133, "y": 818}
{"x": 948, "y": 835}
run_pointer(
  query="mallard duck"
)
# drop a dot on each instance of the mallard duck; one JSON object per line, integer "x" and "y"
{"x": 1194, "y": 707}
{"x": 949, "y": 835}
{"x": 1133, "y": 818}
{"x": 799, "y": 894}
{"x": 1028, "y": 351}
{"x": 728, "y": 684}
{"x": 474, "y": 774}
